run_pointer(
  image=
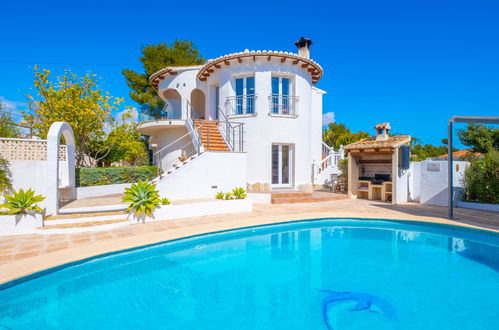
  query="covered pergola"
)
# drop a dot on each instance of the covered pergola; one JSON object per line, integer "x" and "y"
{"x": 468, "y": 120}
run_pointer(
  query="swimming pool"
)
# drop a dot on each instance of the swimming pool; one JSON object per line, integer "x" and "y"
{"x": 318, "y": 274}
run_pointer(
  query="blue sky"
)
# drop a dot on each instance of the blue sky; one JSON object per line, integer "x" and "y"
{"x": 412, "y": 63}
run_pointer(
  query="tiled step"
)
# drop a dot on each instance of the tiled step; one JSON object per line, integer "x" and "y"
{"x": 210, "y": 136}
{"x": 82, "y": 215}
{"x": 83, "y": 224}
{"x": 290, "y": 194}
{"x": 292, "y": 198}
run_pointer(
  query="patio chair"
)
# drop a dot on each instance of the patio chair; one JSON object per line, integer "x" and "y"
{"x": 334, "y": 182}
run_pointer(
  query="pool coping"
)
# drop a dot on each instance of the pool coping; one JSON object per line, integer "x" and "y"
{"x": 23, "y": 270}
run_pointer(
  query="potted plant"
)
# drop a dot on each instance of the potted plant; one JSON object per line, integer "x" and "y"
{"x": 22, "y": 214}
{"x": 143, "y": 198}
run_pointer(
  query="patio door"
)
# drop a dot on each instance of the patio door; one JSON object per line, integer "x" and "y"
{"x": 282, "y": 165}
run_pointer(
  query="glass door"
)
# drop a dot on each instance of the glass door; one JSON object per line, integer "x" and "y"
{"x": 217, "y": 101}
{"x": 282, "y": 165}
{"x": 245, "y": 96}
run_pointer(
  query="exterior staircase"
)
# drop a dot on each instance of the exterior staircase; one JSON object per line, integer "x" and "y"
{"x": 210, "y": 135}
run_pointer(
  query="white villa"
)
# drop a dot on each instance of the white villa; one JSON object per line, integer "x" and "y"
{"x": 250, "y": 119}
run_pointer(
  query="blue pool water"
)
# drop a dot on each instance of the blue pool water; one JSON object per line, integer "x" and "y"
{"x": 321, "y": 274}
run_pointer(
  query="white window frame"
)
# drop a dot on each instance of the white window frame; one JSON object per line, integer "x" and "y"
{"x": 233, "y": 98}
{"x": 291, "y": 160}
{"x": 292, "y": 95}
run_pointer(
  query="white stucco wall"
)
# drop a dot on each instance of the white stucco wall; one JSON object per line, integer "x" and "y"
{"x": 415, "y": 182}
{"x": 32, "y": 174}
{"x": 432, "y": 178}
{"x": 208, "y": 174}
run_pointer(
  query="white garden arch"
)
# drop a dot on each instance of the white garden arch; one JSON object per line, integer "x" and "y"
{"x": 53, "y": 182}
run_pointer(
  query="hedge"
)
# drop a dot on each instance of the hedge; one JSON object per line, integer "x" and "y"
{"x": 481, "y": 180}
{"x": 97, "y": 176}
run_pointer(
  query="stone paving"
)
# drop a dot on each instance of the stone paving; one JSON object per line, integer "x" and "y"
{"x": 24, "y": 254}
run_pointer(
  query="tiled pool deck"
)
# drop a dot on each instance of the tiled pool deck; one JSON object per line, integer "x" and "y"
{"x": 23, "y": 255}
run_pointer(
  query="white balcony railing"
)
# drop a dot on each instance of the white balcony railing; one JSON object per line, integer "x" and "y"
{"x": 241, "y": 105}
{"x": 283, "y": 105}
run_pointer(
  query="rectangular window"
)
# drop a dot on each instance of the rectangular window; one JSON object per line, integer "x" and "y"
{"x": 280, "y": 96}
{"x": 275, "y": 94}
{"x": 250, "y": 95}
{"x": 217, "y": 101}
{"x": 239, "y": 95}
{"x": 245, "y": 96}
{"x": 285, "y": 95}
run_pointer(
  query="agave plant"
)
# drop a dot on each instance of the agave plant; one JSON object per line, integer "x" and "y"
{"x": 21, "y": 202}
{"x": 219, "y": 195}
{"x": 239, "y": 193}
{"x": 165, "y": 201}
{"x": 143, "y": 197}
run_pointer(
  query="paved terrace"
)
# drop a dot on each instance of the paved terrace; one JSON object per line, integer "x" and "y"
{"x": 23, "y": 255}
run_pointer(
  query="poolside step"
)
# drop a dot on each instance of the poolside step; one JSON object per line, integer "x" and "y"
{"x": 80, "y": 227}
{"x": 83, "y": 215}
{"x": 82, "y": 222}
{"x": 299, "y": 197}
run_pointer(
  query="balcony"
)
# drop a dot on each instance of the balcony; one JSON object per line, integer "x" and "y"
{"x": 147, "y": 114}
{"x": 283, "y": 105}
{"x": 241, "y": 106}
{"x": 152, "y": 120}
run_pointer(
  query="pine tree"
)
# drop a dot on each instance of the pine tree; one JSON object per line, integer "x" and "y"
{"x": 155, "y": 58}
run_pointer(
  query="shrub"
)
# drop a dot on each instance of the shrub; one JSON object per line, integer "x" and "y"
{"x": 343, "y": 167}
{"x": 90, "y": 176}
{"x": 481, "y": 180}
{"x": 239, "y": 193}
{"x": 5, "y": 175}
{"x": 143, "y": 197}
{"x": 21, "y": 202}
{"x": 165, "y": 201}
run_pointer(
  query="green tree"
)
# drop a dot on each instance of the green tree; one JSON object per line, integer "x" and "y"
{"x": 421, "y": 152}
{"x": 126, "y": 143}
{"x": 8, "y": 128}
{"x": 338, "y": 134}
{"x": 73, "y": 99}
{"x": 5, "y": 176}
{"x": 480, "y": 137}
{"x": 155, "y": 58}
{"x": 481, "y": 179}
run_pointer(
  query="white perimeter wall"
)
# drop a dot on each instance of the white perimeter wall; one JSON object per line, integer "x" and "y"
{"x": 32, "y": 174}
{"x": 429, "y": 180}
{"x": 206, "y": 175}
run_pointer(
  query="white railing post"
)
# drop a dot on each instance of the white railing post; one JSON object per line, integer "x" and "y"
{"x": 342, "y": 152}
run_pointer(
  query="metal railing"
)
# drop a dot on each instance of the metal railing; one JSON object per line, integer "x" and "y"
{"x": 283, "y": 105}
{"x": 188, "y": 144}
{"x": 191, "y": 112}
{"x": 158, "y": 113}
{"x": 331, "y": 158}
{"x": 241, "y": 105}
{"x": 232, "y": 132}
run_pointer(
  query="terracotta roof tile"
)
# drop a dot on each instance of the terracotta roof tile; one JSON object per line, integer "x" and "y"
{"x": 392, "y": 142}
